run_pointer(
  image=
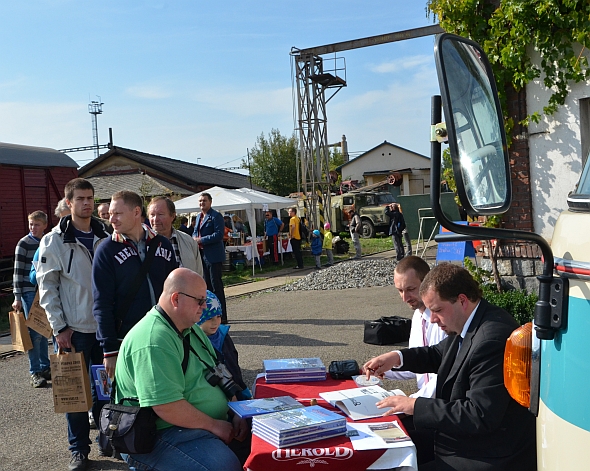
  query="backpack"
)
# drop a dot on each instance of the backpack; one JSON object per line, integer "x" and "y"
{"x": 303, "y": 230}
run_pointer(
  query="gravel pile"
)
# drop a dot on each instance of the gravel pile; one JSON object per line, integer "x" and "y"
{"x": 349, "y": 274}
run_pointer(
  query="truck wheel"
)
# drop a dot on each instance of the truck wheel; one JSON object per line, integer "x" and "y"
{"x": 368, "y": 231}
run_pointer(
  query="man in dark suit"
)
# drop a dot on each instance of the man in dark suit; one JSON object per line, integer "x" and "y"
{"x": 209, "y": 231}
{"x": 477, "y": 425}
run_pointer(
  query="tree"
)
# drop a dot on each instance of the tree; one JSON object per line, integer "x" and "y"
{"x": 273, "y": 163}
{"x": 509, "y": 30}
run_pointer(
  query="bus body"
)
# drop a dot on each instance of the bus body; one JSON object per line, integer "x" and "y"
{"x": 563, "y": 421}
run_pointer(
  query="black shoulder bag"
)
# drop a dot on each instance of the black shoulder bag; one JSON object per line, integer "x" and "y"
{"x": 130, "y": 429}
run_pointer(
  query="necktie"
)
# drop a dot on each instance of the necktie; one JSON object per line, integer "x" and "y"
{"x": 425, "y": 344}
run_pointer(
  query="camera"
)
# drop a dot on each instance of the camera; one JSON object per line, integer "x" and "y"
{"x": 220, "y": 376}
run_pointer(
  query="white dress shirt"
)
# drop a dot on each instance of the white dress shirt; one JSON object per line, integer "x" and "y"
{"x": 422, "y": 334}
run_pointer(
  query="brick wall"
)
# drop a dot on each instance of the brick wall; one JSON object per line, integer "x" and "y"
{"x": 519, "y": 216}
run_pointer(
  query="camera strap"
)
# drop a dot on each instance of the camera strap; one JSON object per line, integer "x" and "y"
{"x": 186, "y": 343}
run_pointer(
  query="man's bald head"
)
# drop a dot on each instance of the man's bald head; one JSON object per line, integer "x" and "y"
{"x": 180, "y": 297}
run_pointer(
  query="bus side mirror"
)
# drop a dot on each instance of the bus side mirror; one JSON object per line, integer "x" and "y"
{"x": 475, "y": 126}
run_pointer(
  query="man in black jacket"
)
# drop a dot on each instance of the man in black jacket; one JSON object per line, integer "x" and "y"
{"x": 397, "y": 224}
{"x": 477, "y": 425}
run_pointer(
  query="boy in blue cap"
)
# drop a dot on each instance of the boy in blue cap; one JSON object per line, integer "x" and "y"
{"x": 316, "y": 247}
{"x": 225, "y": 349}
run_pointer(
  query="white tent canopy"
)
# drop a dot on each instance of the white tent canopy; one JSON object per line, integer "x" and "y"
{"x": 245, "y": 199}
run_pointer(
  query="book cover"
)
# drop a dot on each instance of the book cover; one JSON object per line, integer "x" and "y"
{"x": 360, "y": 403}
{"x": 283, "y": 443}
{"x": 296, "y": 433}
{"x": 296, "y": 374}
{"x": 252, "y": 407}
{"x": 294, "y": 365}
{"x": 102, "y": 382}
{"x": 294, "y": 378}
{"x": 297, "y": 419}
{"x": 390, "y": 432}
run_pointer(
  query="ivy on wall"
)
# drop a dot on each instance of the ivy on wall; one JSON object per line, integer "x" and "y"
{"x": 509, "y": 30}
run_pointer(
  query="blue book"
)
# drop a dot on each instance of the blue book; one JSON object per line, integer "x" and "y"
{"x": 327, "y": 427}
{"x": 102, "y": 382}
{"x": 294, "y": 365}
{"x": 297, "y": 420}
{"x": 295, "y": 378}
{"x": 252, "y": 407}
{"x": 292, "y": 441}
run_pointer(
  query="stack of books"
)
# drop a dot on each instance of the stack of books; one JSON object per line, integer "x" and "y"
{"x": 296, "y": 426}
{"x": 251, "y": 407}
{"x": 293, "y": 370}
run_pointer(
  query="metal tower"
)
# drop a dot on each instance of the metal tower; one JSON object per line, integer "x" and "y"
{"x": 312, "y": 82}
{"x": 95, "y": 108}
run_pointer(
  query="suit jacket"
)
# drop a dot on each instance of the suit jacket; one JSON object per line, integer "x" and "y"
{"x": 478, "y": 426}
{"x": 211, "y": 234}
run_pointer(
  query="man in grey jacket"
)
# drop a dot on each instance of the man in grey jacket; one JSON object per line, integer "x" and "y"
{"x": 161, "y": 213}
{"x": 65, "y": 292}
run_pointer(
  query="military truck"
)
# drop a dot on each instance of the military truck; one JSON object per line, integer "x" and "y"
{"x": 370, "y": 206}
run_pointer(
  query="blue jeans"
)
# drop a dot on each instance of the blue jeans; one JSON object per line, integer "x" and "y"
{"x": 78, "y": 425}
{"x": 185, "y": 449}
{"x": 38, "y": 356}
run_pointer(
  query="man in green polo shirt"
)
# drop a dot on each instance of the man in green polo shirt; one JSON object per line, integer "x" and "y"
{"x": 194, "y": 430}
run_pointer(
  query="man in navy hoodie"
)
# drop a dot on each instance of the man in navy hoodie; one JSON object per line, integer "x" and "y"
{"x": 117, "y": 263}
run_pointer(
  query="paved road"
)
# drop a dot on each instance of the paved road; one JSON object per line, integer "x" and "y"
{"x": 328, "y": 324}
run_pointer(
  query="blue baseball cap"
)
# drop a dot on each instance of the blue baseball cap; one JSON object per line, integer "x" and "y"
{"x": 316, "y": 233}
{"x": 212, "y": 309}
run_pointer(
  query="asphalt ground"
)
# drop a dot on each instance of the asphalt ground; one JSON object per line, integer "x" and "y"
{"x": 326, "y": 324}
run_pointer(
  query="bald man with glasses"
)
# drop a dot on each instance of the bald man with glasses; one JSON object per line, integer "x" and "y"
{"x": 195, "y": 429}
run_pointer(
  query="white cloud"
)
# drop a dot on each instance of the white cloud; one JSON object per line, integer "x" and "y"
{"x": 56, "y": 125}
{"x": 413, "y": 63}
{"x": 151, "y": 92}
{"x": 247, "y": 103}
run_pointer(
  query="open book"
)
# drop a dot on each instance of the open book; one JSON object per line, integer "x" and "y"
{"x": 360, "y": 403}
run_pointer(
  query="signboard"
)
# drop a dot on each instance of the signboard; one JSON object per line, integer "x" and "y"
{"x": 454, "y": 251}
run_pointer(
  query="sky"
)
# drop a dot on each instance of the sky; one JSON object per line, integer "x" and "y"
{"x": 199, "y": 81}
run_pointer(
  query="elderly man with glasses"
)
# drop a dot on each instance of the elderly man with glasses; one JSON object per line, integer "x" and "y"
{"x": 195, "y": 429}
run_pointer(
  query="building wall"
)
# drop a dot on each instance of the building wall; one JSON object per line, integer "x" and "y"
{"x": 386, "y": 157}
{"x": 556, "y": 156}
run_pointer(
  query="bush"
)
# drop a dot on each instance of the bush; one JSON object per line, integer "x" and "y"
{"x": 517, "y": 302}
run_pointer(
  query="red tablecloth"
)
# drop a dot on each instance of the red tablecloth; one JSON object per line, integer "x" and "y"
{"x": 332, "y": 453}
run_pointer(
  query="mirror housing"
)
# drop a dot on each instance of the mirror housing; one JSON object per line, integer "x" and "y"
{"x": 475, "y": 126}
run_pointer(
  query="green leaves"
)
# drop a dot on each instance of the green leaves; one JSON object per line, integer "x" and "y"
{"x": 273, "y": 163}
{"x": 511, "y": 31}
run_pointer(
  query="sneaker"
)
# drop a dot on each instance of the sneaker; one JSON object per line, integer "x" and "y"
{"x": 37, "y": 381}
{"x": 78, "y": 462}
{"x": 46, "y": 374}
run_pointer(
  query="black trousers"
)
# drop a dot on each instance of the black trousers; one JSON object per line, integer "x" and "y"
{"x": 212, "y": 274}
{"x": 296, "y": 246}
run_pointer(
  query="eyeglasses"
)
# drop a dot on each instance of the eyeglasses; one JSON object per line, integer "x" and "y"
{"x": 200, "y": 301}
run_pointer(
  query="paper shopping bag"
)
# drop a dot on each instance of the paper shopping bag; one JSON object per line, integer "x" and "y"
{"x": 21, "y": 339}
{"x": 70, "y": 382}
{"x": 37, "y": 319}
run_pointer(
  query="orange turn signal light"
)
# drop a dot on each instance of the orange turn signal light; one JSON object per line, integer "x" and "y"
{"x": 517, "y": 364}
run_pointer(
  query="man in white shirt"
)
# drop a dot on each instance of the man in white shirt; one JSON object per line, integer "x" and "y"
{"x": 407, "y": 278}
